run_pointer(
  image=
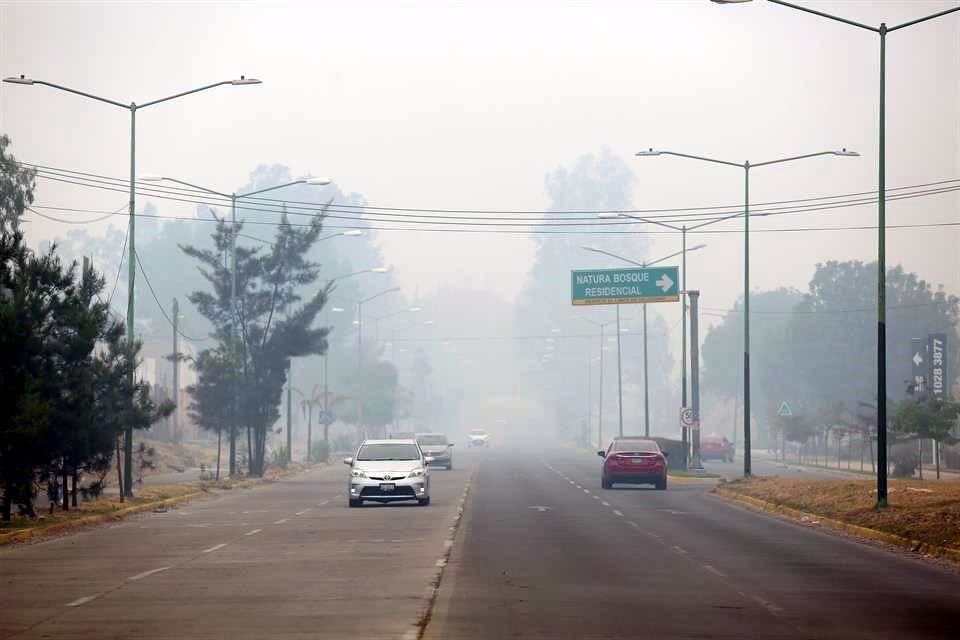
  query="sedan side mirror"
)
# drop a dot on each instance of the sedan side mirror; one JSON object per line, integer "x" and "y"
{"x": 348, "y": 461}
{"x": 428, "y": 459}
{"x": 449, "y": 444}
{"x": 666, "y": 454}
{"x": 602, "y": 454}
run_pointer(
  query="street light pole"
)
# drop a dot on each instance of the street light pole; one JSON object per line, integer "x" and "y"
{"x": 603, "y": 326}
{"x": 131, "y": 225}
{"x": 619, "y": 377}
{"x": 234, "y": 197}
{"x": 881, "y": 31}
{"x": 746, "y": 166}
{"x": 360, "y": 400}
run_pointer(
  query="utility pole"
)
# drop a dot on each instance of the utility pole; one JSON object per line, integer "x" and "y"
{"x": 176, "y": 370}
{"x": 600, "y": 410}
{"x": 619, "y": 376}
{"x": 646, "y": 379}
{"x": 694, "y": 297}
{"x": 289, "y": 411}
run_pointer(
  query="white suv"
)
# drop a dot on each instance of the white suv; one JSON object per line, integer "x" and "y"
{"x": 388, "y": 471}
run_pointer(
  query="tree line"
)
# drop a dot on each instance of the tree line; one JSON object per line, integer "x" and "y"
{"x": 67, "y": 369}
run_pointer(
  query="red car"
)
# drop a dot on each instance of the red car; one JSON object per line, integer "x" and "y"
{"x": 715, "y": 447}
{"x": 633, "y": 461}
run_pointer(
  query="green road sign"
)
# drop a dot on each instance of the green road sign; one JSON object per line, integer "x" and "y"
{"x": 625, "y": 286}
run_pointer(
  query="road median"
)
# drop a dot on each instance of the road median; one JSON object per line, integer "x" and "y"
{"x": 921, "y": 517}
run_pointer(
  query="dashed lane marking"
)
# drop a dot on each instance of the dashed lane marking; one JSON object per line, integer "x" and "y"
{"x": 300, "y": 513}
{"x": 679, "y": 550}
{"x": 619, "y": 514}
{"x": 80, "y": 601}
{"x": 141, "y": 576}
{"x": 605, "y": 503}
{"x": 769, "y": 606}
{"x": 280, "y": 521}
{"x": 214, "y": 548}
{"x": 632, "y": 523}
{"x": 253, "y": 532}
{"x": 714, "y": 571}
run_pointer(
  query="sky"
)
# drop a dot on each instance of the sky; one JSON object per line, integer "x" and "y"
{"x": 468, "y": 105}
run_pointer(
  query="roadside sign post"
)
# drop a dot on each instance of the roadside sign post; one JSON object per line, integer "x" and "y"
{"x": 939, "y": 380}
{"x": 694, "y": 297}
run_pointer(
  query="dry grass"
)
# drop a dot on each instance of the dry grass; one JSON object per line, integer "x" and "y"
{"x": 91, "y": 512}
{"x": 927, "y": 512}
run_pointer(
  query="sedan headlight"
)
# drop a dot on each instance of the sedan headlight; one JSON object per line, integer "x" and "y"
{"x": 417, "y": 473}
{"x": 357, "y": 473}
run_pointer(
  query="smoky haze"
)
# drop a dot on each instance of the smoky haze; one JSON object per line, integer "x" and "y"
{"x": 521, "y": 107}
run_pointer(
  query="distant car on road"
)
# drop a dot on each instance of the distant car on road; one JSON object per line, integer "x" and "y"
{"x": 633, "y": 461}
{"x": 714, "y": 447}
{"x": 402, "y": 435}
{"x": 478, "y": 438}
{"x": 437, "y": 447}
{"x": 388, "y": 471}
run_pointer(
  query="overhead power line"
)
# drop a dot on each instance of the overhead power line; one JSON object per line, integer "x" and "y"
{"x": 160, "y": 306}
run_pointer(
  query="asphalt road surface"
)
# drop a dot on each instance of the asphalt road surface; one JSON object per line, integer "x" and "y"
{"x": 286, "y": 560}
{"x": 541, "y": 552}
{"x": 545, "y": 553}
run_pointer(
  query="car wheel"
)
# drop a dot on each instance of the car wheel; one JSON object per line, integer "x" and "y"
{"x": 423, "y": 502}
{"x": 606, "y": 484}
{"x": 661, "y": 484}
{"x": 450, "y": 467}
{"x": 355, "y": 503}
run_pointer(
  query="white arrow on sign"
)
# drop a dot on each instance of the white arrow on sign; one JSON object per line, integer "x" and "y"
{"x": 917, "y": 359}
{"x": 539, "y": 508}
{"x": 665, "y": 282}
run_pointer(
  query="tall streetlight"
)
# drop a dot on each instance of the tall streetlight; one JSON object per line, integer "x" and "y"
{"x": 646, "y": 386}
{"x": 360, "y": 304}
{"x": 133, "y": 107}
{"x": 881, "y": 31}
{"x": 746, "y": 166}
{"x": 603, "y": 326}
{"x": 683, "y": 229}
{"x": 234, "y": 197}
{"x": 377, "y": 319}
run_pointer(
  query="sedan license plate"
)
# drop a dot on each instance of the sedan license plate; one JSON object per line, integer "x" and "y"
{"x": 639, "y": 461}
{"x": 387, "y": 486}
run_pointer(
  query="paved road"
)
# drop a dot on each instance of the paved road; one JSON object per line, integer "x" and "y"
{"x": 763, "y": 464}
{"x": 287, "y": 560}
{"x": 545, "y": 553}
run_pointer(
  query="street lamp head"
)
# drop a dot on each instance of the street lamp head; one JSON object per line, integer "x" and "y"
{"x": 415, "y": 309}
{"x": 337, "y": 309}
{"x": 21, "y": 79}
{"x": 151, "y": 177}
{"x": 316, "y": 182}
{"x": 243, "y": 80}
{"x": 845, "y": 152}
{"x": 428, "y": 322}
{"x": 353, "y": 233}
{"x": 607, "y": 215}
{"x": 649, "y": 152}
{"x": 380, "y": 270}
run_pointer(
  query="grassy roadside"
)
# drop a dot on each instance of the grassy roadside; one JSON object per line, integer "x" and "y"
{"x": 109, "y": 508}
{"x": 922, "y": 515}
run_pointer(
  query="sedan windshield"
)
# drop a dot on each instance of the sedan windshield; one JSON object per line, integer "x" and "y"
{"x": 432, "y": 441}
{"x": 389, "y": 452}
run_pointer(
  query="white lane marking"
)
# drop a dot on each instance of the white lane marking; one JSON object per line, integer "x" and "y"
{"x": 442, "y": 562}
{"x": 596, "y": 497}
{"x": 654, "y": 536}
{"x": 214, "y": 548}
{"x": 300, "y": 513}
{"x": 679, "y": 550}
{"x": 80, "y": 601}
{"x": 571, "y": 481}
{"x": 619, "y": 514}
{"x": 280, "y": 521}
{"x": 632, "y": 523}
{"x": 586, "y": 490}
{"x": 714, "y": 571}
{"x": 605, "y": 503}
{"x": 320, "y": 504}
{"x": 769, "y": 606}
{"x": 253, "y": 533}
{"x": 413, "y": 634}
{"x": 141, "y": 576}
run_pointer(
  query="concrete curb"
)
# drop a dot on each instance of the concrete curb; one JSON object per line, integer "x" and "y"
{"x": 857, "y": 530}
{"x": 32, "y": 533}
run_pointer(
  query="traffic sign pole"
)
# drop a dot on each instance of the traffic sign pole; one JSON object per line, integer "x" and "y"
{"x": 695, "y": 375}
